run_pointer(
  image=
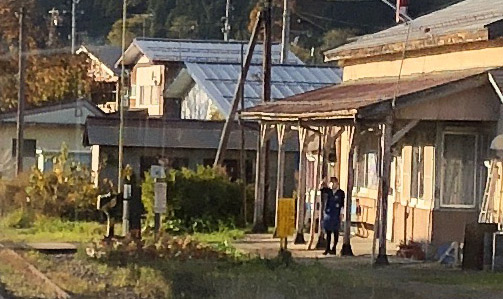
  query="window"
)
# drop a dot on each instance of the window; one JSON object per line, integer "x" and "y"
{"x": 179, "y": 163}
{"x": 142, "y": 95}
{"x": 29, "y": 148}
{"x": 367, "y": 171}
{"x": 232, "y": 169}
{"x": 458, "y": 170}
{"x": 81, "y": 158}
{"x": 154, "y": 97}
{"x": 133, "y": 91}
{"x": 417, "y": 172}
{"x": 367, "y": 168}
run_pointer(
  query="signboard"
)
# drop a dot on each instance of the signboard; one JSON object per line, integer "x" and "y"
{"x": 127, "y": 191}
{"x": 286, "y": 217}
{"x": 160, "y": 197}
{"x": 157, "y": 172}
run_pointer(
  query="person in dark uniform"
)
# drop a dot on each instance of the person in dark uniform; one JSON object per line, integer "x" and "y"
{"x": 332, "y": 212}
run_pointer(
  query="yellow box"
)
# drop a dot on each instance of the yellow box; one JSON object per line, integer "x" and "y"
{"x": 286, "y": 217}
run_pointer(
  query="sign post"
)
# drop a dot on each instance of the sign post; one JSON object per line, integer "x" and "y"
{"x": 160, "y": 196}
{"x": 286, "y": 221}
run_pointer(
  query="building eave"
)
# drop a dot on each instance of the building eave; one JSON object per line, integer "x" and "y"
{"x": 428, "y": 42}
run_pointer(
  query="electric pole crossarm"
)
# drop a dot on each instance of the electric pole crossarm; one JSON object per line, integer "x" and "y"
{"x": 224, "y": 138}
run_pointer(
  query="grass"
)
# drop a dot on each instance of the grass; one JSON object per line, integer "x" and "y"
{"x": 247, "y": 278}
{"x": 472, "y": 279}
{"x": 45, "y": 229}
{"x": 225, "y": 235}
{"x": 91, "y": 279}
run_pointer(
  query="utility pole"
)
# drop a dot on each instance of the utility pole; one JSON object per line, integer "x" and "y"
{"x": 20, "y": 98}
{"x": 285, "y": 34}
{"x": 266, "y": 90}
{"x": 74, "y": 23}
{"x": 242, "y": 155}
{"x": 227, "y": 27}
{"x": 123, "y": 95}
{"x": 53, "y": 26}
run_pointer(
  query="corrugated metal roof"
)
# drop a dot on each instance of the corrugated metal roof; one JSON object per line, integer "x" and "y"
{"x": 108, "y": 55}
{"x": 68, "y": 112}
{"x": 173, "y": 50}
{"x": 219, "y": 81}
{"x": 162, "y": 133}
{"x": 345, "y": 99}
{"x": 467, "y": 15}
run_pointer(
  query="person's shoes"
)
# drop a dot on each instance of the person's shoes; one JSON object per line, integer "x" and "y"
{"x": 332, "y": 252}
{"x": 326, "y": 252}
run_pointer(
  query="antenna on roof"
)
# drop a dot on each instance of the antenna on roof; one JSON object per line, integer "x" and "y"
{"x": 227, "y": 27}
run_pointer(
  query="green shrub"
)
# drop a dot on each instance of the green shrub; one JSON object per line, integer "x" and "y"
{"x": 67, "y": 191}
{"x": 147, "y": 198}
{"x": 20, "y": 218}
{"x": 203, "y": 200}
{"x": 13, "y": 194}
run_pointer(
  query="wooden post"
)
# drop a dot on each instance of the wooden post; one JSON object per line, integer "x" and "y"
{"x": 354, "y": 140}
{"x": 379, "y": 190}
{"x": 258, "y": 215}
{"x": 382, "y": 258}
{"x": 301, "y": 187}
{"x": 322, "y": 158}
{"x": 280, "y": 129}
{"x": 224, "y": 138}
{"x": 316, "y": 211}
{"x": 20, "y": 97}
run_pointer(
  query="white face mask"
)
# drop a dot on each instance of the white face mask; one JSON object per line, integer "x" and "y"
{"x": 334, "y": 185}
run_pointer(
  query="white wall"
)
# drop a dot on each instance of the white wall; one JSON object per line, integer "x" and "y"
{"x": 48, "y": 139}
{"x": 197, "y": 104}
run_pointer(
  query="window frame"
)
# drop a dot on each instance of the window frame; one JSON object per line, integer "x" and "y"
{"x": 141, "y": 97}
{"x": 26, "y": 142}
{"x": 442, "y": 169}
{"x": 420, "y": 180}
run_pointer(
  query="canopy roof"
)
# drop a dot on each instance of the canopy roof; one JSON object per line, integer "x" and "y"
{"x": 351, "y": 99}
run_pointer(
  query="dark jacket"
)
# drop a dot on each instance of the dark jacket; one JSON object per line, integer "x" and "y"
{"x": 332, "y": 211}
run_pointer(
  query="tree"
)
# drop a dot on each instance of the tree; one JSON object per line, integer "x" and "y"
{"x": 65, "y": 191}
{"x": 134, "y": 28}
{"x": 183, "y": 27}
{"x": 337, "y": 37}
{"x": 50, "y": 77}
{"x": 160, "y": 10}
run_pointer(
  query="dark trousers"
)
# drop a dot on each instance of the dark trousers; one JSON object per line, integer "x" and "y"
{"x": 329, "y": 239}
